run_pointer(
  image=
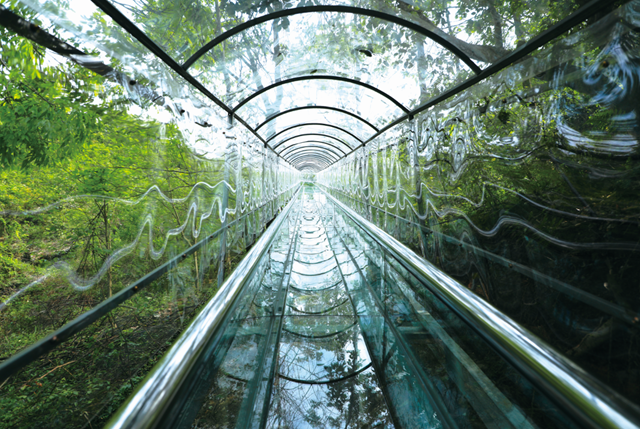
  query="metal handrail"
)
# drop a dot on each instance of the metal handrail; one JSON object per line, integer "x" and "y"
{"x": 586, "y": 399}
{"x": 601, "y": 304}
{"x": 146, "y": 406}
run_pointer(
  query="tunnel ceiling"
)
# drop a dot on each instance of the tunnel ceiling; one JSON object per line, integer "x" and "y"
{"x": 315, "y": 80}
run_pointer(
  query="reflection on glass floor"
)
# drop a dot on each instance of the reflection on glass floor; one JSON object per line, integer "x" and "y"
{"x": 302, "y": 315}
{"x": 333, "y": 333}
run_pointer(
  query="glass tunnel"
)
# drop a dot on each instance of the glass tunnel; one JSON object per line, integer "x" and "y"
{"x": 319, "y": 214}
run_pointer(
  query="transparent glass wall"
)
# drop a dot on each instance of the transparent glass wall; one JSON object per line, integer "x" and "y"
{"x": 120, "y": 181}
{"x": 129, "y": 190}
{"x": 524, "y": 188}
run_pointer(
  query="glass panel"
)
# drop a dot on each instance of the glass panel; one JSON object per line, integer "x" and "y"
{"x": 362, "y": 101}
{"x": 84, "y": 380}
{"x": 131, "y": 168}
{"x": 355, "y": 126}
{"x": 518, "y": 189}
{"x": 476, "y": 387}
{"x": 390, "y": 57}
{"x": 232, "y": 364}
{"x": 482, "y": 29}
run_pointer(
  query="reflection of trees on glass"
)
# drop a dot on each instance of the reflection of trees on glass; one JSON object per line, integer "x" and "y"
{"x": 523, "y": 189}
{"x": 100, "y": 185}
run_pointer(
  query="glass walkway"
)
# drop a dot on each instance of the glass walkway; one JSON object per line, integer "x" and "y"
{"x": 319, "y": 214}
{"x": 329, "y": 329}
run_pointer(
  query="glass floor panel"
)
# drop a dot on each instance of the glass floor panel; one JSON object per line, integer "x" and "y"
{"x": 331, "y": 332}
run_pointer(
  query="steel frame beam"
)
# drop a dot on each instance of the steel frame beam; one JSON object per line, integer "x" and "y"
{"x": 315, "y": 167}
{"x": 320, "y": 148}
{"x": 320, "y": 77}
{"x": 312, "y": 134}
{"x": 308, "y": 124}
{"x": 308, "y": 166}
{"x": 561, "y": 27}
{"x": 312, "y": 154}
{"x": 310, "y": 149}
{"x": 316, "y": 155}
{"x": 334, "y": 109}
{"x": 146, "y": 41}
{"x": 309, "y": 158}
{"x": 330, "y": 8}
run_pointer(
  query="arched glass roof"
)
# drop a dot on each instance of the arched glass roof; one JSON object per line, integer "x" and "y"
{"x": 304, "y": 142}
{"x": 360, "y": 127}
{"x": 380, "y": 53}
{"x": 296, "y": 141}
{"x": 349, "y": 96}
{"x": 329, "y": 130}
{"x": 183, "y": 27}
{"x": 315, "y": 80}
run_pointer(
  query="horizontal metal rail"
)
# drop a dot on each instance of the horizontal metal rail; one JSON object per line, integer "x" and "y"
{"x": 51, "y": 341}
{"x": 146, "y": 406}
{"x": 586, "y": 399}
{"x": 616, "y": 310}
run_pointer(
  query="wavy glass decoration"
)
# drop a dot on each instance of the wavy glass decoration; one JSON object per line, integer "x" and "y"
{"x": 520, "y": 188}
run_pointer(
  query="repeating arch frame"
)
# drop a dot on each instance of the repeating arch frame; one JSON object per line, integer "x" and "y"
{"x": 311, "y": 147}
{"x": 315, "y": 154}
{"x": 319, "y": 77}
{"x": 318, "y": 107}
{"x": 333, "y": 8}
{"x": 321, "y": 163}
{"x": 561, "y": 27}
{"x": 298, "y": 148}
{"x": 309, "y": 135}
{"x": 320, "y": 124}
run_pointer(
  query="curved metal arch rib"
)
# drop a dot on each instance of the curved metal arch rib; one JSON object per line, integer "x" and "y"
{"x": 314, "y": 147}
{"x": 320, "y": 77}
{"x": 308, "y": 124}
{"x": 312, "y": 162}
{"x": 310, "y": 166}
{"x": 328, "y": 8}
{"x": 315, "y": 166}
{"x": 314, "y": 156}
{"x": 335, "y": 109}
{"x": 312, "y": 134}
{"x": 323, "y": 162}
